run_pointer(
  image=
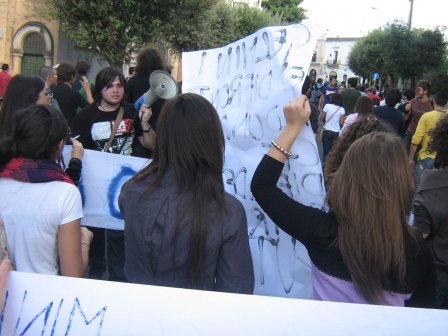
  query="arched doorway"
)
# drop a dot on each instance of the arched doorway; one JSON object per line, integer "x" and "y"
{"x": 332, "y": 75}
{"x": 33, "y": 54}
{"x": 32, "y": 48}
{"x": 313, "y": 74}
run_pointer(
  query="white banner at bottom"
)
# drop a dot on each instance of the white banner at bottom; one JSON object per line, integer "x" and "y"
{"x": 51, "y": 305}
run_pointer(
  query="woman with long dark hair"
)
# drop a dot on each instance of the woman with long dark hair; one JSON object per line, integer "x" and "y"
{"x": 363, "y": 250}
{"x": 181, "y": 228}
{"x": 24, "y": 91}
{"x": 39, "y": 204}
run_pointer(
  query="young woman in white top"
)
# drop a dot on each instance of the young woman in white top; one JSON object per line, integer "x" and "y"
{"x": 333, "y": 117}
{"x": 39, "y": 204}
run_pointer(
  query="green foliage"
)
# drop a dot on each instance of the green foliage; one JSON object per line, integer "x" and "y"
{"x": 438, "y": 77}
{"x": 182, "y": 23}
{"x": 366, "y": 57}
{"x": 251, "y": 19}
{"x": 221, "y": 24}
{"x": 395, "y": 51}
{"x": 109, "y": 28}
{"x": 226, "y": 24}
{"x": 117, "y": 28}
{"x": 288, "y": 9}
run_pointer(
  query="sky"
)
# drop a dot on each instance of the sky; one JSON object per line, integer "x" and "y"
{"x": 355, "y": 18}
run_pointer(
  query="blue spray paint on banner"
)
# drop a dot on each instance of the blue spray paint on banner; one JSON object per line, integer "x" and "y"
{"x": 125, "y": 174}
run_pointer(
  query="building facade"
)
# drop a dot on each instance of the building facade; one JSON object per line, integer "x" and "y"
{"x": 330, "y": 58}
{"x": 28, "y": 36}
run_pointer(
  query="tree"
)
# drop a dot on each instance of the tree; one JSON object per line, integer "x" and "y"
{"x": 366, "y": 56}
{"x": 109, "y": 28}
{"x": 433, "y": 53}
{"x": 226, "y": 24}
{"x": 116, "y": 28}
{"x": 251, "y": 19}
{"x": 288, "y": 9}
{"x": 182, "y": 23}
{"x": 395, "y": 51}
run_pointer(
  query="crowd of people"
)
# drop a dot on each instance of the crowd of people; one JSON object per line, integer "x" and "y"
{"x": 385, "y": 158}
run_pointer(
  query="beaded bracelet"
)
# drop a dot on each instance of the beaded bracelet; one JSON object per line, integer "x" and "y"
{"x": 281, "y": 149}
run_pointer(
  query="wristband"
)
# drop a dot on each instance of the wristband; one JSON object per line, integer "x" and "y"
{"x": 281, "y": 149}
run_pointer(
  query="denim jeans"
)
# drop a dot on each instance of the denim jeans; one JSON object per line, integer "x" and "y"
{"x": 407, "y": 141}
{"x": 328, "y": 138}
{"x": 420, "y": 166}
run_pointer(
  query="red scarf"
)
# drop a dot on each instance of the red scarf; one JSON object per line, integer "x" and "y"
{"x": 33, "y": 171}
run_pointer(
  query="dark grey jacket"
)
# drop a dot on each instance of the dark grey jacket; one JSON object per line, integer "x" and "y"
{"x": 150, "y": 225}
{"x": 431, "y": 216}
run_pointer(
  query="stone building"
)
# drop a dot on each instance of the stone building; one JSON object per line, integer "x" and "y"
{"x": 330, "y": 58}
{"x": 30, "y": 38}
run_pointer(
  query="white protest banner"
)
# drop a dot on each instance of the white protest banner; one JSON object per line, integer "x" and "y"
{"x": 51, "y": 305}
{"x": 249, "y": 82}
{"x": 102, "y": 176}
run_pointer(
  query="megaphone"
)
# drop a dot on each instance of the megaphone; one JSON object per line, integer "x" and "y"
{"x": 162, "y": 86}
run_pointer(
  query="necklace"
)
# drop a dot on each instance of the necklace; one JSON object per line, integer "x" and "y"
{"x": 102, "y": 108}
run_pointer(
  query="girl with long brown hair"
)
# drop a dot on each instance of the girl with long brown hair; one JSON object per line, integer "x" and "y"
{"x": 362, "y": 250}
{"x": 362, "y": 110}
{"x": 181, "y": 228}
{"x": 356, "y": 130}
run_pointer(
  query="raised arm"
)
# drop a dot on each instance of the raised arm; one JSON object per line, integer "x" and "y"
{"x": 148, "y": 138}
{"x": 86, "y": 86}
{"x": 291, "y": 216}
{"x": 297, "y": 113}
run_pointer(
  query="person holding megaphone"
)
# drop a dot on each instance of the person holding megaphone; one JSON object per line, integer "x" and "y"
{"x": 162, "y": 87}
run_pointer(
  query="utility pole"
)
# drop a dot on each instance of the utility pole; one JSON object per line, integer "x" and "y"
{"x": 400, "y": 81}
{"x": 410, "y": 14}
